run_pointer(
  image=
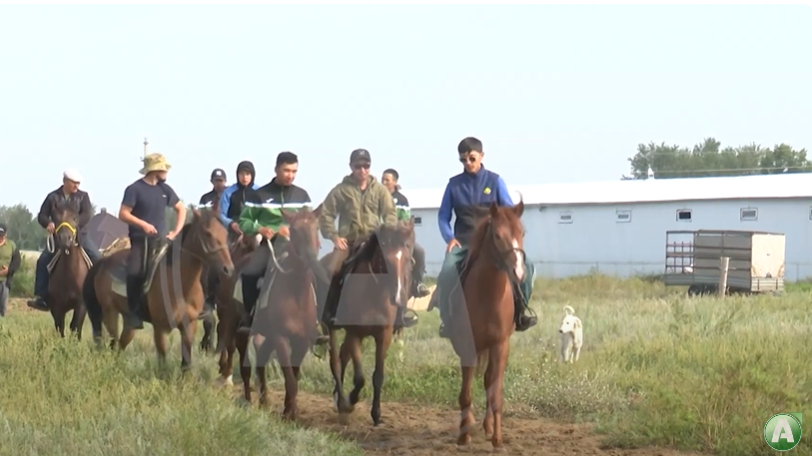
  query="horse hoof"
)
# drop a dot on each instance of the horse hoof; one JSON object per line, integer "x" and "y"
{"x": 498, "y": 448}
{"x": 464, "y": 440}
{"x": 222, "y": 382}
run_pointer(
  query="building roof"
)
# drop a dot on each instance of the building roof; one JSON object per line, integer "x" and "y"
{"x": 770, "y": 186}
{"x": 104, "y": 228}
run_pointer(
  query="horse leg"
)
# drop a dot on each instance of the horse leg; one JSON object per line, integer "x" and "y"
{"x": 284, "y": 355}
{"x": 226, "y": 346}
{"x": 466, "y": 411}
{"x": 187, "y": 334}
{"x": 245, "y": 364}
{"x": 351, "y": 349}
{"x": 110, "y": 319}
{"x": 126, "y": 337}
{"x": 382, "y": 342}
{"x": 264, "y": 349}
{"x": 59, "y": 321}
{"x": 487, "y": 422}
{"x": 339, "y": 400}
{"x": 78, "y": 320}
{"x": 208, "y": 328}
{"x": 498, "y": 359}
{"x": 161, "y": 345}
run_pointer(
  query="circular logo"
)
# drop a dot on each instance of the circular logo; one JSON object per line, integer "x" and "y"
{"x": 782, "y": 432}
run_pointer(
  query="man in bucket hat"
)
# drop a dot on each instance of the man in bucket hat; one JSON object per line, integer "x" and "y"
{"x": 143, "y": 208}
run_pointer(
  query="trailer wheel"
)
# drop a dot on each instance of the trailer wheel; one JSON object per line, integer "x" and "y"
{"x": 694, "y": 290}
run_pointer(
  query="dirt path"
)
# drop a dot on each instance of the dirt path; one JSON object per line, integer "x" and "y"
{"x": 410, "y": 430}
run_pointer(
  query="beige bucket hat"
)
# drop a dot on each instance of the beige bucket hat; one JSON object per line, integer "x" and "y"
{"x": 155, "y": 162}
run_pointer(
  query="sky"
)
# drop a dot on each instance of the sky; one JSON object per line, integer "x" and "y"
{"x": 556, "y": 93}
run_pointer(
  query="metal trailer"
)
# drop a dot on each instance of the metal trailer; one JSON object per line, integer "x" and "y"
{"x": 693, "y": 259}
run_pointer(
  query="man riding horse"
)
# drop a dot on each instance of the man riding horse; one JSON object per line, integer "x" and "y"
{"x": 389, "y": 179}
{"x": 79, "y": 200}
{"x": 218, "y": 182}
{"x": 262, "y": 215}
{"x": 143, "y": 208}
{"x": 361, "y": 204}
{"x": 468, "y": 195}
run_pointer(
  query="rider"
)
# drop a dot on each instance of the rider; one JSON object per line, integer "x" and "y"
{"x": 218, "y": 182}
{"x": 361, "y": 204}
{"x": 467, "y": 194}
{"x": 262, "y": 215}
{"x": 389, "y": 179}
{"x": 80, "y": 201}
{"x": 143, "y": 208}
{"x": 233, "y": 199}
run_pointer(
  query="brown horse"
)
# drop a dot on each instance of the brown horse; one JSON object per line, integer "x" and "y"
{"x": 172, "y": 290}
{"x": 367, "y": 306}
{"x": 285, "y": 319}
{"x": 68, "y": 269}
{"x": 230, "y": 311}
{"x": 480, "y": 333}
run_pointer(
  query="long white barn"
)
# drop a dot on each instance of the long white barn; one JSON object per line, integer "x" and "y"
{"x": 619, "y": 227}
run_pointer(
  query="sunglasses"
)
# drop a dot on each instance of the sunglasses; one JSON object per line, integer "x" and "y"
{"x": 360, "y": 166}
{"x": 468, "y": 159}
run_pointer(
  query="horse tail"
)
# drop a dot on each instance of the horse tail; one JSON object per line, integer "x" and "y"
{"x": 94, "y": 310}
{"x": 482, "y": 361}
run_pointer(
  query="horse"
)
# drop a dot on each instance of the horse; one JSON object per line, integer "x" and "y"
{"x": 229, "y": 310}
{"x": 68, "y": 268}
{"x": 173, "y": 297}
{"x": 369, "y": 299}
{"x": 480, "y": 334}
{"x": 285, "y": 318}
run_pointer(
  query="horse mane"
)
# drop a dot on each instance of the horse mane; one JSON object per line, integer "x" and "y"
{"x": 205, "y": 217}
{"x": 65, "y": 206}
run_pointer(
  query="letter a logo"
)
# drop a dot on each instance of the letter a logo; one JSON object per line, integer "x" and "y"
{"x": 783, "y": 431}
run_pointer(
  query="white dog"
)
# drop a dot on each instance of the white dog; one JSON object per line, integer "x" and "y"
{"x": 572, "y": 336}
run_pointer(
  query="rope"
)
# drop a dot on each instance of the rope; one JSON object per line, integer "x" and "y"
{"x": 50, "y": 244}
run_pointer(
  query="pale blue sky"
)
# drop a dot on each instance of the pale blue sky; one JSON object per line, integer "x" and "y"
{"x": 556, "y": 93}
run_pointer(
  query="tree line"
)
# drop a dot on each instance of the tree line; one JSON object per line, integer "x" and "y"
{"x": 710, "y": 159}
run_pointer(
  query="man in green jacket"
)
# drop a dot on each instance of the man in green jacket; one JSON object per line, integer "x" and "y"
{"x": 361, "y": 204}
{"x": 262, "y": 214}
{"x": 9, "y": 263}
{"x": 389, "y": 179}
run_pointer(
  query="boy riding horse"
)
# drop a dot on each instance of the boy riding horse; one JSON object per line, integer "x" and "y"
{"x": 79, "y": 200}
{"x": 143, "y": 209}
{"x": 361, "y": 204}
{"x": 469, "y": 194}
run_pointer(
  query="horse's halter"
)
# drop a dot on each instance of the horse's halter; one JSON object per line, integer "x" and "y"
{"x": 209, "y": 252}
{"x": 501, "y": 262}
{"x": 51, "y": 243}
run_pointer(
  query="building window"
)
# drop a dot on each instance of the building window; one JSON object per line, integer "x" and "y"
{"x": 564, "y": 217}
{"x": 684, "y": 215}
{"x": 624, "y": 216}
{"x": 748, "y": 214}
{"x": 418, "y": 220}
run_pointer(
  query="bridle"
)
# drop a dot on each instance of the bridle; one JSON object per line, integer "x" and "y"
{"x": 210, "y": 252}
{"x": 50, "y": 244}
{"x": 501, "y": 254}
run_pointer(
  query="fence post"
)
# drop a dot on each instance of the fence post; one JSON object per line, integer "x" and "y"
{"x": 723, "y": 270}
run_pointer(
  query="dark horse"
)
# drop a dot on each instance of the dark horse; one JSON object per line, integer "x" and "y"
{"x": 68, "y": 269}
{"x": 285, "y": 319}
{"x": 481, "y": 330}
{"x": 173, "y": 294}
{"x": 376, "y": 284}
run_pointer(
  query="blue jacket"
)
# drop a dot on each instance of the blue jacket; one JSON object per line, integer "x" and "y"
{"x": 225, "y": 203}
{"x": 468, "y": 196}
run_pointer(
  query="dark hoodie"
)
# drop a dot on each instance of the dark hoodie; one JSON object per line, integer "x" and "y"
{"x": 233, "y": 198}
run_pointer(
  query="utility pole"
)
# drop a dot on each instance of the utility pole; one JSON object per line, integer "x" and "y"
{"x": 145, "y": 147}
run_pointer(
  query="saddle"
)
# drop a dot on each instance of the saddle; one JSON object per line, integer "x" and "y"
{"x": 156, "y": 251}
{"x": 58, "y": 254}
{"x": 268, "y": 273}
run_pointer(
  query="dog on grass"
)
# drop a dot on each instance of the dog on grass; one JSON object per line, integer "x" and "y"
{"x": 572, "y": 336}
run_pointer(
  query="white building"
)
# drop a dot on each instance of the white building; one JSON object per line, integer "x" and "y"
{"x": 619, "y": 227}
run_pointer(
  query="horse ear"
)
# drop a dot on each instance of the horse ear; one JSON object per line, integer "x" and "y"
{"x": 494, "y": 209}
{"x": 411, "y": 222}
{"x": 317, "y": 211}
{"x": 519, "y": 209}
{"x": 196, "y": 213}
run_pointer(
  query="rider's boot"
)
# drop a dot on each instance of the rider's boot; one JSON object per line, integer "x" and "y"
{"x": 250, "y": 294}
{"x": 132, "y": 318}
{"x": 406, "y": 317}
{"x": 38, "y": 303}
{"x": 523, "y": 321}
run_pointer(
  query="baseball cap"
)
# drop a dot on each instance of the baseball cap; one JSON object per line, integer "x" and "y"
{"x": 218, "y": 174}
{"x": 72, "y": 174}
{"x": 360, "y": 155}
{"x": 2, "y": 229}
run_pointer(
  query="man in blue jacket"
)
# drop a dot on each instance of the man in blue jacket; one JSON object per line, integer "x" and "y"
{"x": 232, "y": 200}
{"x": 468, "y": 194}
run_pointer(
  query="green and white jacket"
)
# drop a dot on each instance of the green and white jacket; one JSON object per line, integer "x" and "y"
{"x": 401, "y": 206}
{"x": 263, "y": 206}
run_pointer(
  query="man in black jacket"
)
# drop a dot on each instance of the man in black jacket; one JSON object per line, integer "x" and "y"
{"x": 80, "y": 201}
{"x": 211, "y": 279}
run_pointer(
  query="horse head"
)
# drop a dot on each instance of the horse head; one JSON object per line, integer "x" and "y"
{"x": 395, "y": 247}
{"x": 503, "y": 233}
{"x": 207, "y": 239}
{"x": 66, "y": 232}
{"x": 304, "y": 239}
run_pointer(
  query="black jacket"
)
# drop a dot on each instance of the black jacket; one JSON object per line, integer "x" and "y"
{"x": 208, "y": 199}
{"x": 239, "y": 197}
{"x": 80, "y": 201}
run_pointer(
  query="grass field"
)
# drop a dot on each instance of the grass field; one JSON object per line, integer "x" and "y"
{"x": 657, "y": 370}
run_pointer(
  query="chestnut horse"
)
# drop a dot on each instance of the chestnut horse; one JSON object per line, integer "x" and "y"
{"x": 172, "y": 291}
{"x": 285, "y": 318}
{"x": 230, "y": 311}
{"x": 483, "y": 324}
{"x": 68, "y": 269}
{"x": 368, "y": 306}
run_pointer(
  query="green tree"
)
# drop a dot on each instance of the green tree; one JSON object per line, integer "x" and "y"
{"x": 23, "y": 228}
{"x": 709, "y": 159}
